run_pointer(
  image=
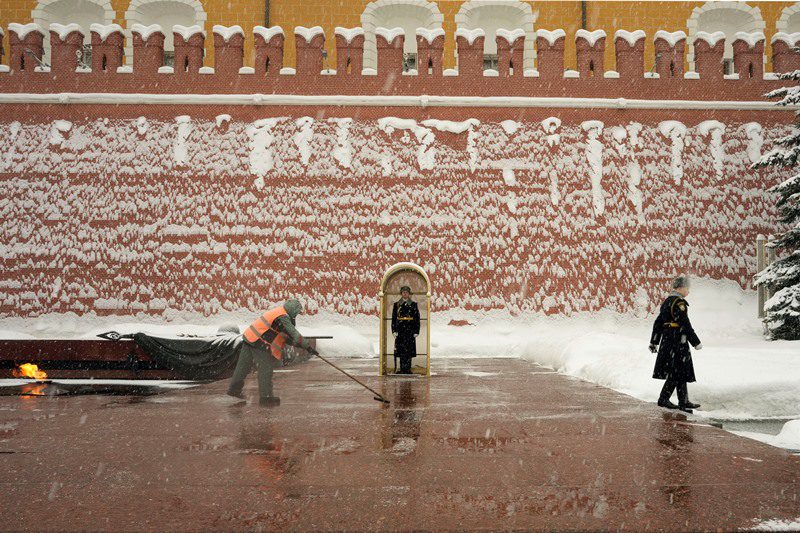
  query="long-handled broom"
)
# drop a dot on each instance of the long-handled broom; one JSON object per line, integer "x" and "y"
{"x": 377, "y": 397}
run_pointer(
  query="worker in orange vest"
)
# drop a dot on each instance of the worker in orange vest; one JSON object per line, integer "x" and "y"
{"x": 268, "y": 333}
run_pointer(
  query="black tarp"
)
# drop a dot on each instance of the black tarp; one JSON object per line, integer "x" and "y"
{"x": 194, "y": 357}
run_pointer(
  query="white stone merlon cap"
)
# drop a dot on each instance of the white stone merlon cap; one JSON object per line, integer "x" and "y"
{"x": 22, "y": 30}
{"x": 591, "y": 36}
{"x": 751, "y": 39}
{"x": 430, "y": 35}
{"x": 672, "y": 38}
{"x": 104, "y": 30}
{"x": 510, "y": 35}
{"x": 187, "y": 32}
{"x": 551, "y": 36}
{"x": 711, "y": 38}
{"x": 62, "y": 30}
{"x": 788, "y": 38}
{"x": 146, "y": 31}
{"x": 268, "y": 33}
{"x": 470, "y": 35}
{"x": 631, "y": 37}
{"x": 390, "y": 34}
{"x": 308, "y": 33}
{"x": 348, "y": 34}
{"x": 226, "y": 32}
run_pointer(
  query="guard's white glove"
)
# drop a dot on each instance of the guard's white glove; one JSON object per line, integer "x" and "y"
{"x": 394, "y": 333}
{"x": 415, "y": 335}
{"x": 653, "y": 348}
{"x": 699, "y": 346}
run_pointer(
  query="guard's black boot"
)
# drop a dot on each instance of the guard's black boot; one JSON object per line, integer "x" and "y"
{"x": 691, "y": 405}
{"x": 667, "y": 404}
{"x": 271, "y": 401}
{"x": 685, "y": 408}
{"x": 239, "y": 395}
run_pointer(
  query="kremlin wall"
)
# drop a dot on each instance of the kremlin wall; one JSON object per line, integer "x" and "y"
{"x": 144, "y": 189}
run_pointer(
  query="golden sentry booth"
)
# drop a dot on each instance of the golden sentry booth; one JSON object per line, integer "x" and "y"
{"x": 417, "y": 279}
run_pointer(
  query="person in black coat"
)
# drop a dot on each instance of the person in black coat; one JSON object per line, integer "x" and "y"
{"x": 672, "y": 335}
{"x": 405, "y": 328}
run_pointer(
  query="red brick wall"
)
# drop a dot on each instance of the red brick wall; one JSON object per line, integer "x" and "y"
{"x": 91, "y": 218}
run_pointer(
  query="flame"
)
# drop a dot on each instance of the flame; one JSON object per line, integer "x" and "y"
{"x": 29, "y": 370}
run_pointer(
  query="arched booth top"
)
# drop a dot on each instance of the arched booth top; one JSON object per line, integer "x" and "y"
{"x": 417, "y": 279}
{"x": 399, "y": 267}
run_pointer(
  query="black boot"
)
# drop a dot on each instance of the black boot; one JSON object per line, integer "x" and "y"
{"x": 683, "y": 398}
{"x": 270, "y": 401}
{"x": 235, "y": 394}
{"x": 667, "y": 404}
{"x": 666, "y": 392}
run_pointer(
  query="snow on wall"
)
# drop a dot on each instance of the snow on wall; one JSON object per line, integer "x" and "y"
{"x": 163, "y": 215}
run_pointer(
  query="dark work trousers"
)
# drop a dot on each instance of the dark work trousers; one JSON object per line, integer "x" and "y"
{"x": 669, "y": 386}
{"x": 265, "y": 364}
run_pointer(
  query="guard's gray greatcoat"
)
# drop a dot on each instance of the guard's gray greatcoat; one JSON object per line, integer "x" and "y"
{"x": 673, "y": 333}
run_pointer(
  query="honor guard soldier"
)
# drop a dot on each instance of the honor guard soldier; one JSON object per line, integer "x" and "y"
{"x": 405, "y": 328}
{"x": 263, "y": 344}
{"x": 672, "y": 335}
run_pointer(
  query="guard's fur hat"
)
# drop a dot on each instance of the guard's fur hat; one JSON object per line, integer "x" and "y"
{"x": 680, "y": 281}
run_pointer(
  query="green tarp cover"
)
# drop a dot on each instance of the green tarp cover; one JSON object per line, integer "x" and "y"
{"x": 194, "y": 357}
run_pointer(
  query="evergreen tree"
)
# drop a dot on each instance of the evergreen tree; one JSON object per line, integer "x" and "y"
{"x": 782, "y": 311}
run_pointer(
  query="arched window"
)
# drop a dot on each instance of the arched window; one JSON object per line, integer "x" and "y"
{"x": 406, "y": 14}
{"x": 790, "y": 19}
{"x": 81, "y": 12}
{"x": 727, "y": 17}
{"x": 492, "y": 15}
{"x": 166, "y": 13}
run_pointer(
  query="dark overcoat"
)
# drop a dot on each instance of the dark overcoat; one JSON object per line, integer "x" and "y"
{"x": 405, "y": 322}
{"x": 673, "y": 333}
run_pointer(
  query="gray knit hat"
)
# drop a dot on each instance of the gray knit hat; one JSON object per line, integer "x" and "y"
{"x": 680, "y": 281}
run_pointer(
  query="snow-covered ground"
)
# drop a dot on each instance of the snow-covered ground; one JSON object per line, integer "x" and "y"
{"x": 741, "y": 376}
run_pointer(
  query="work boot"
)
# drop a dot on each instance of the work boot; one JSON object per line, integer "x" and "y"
{"x": 667, "y": 404}
{"x": 270, "y": 401}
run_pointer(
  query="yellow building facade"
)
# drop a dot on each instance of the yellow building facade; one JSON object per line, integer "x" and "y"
{"x": 650, "y": 16}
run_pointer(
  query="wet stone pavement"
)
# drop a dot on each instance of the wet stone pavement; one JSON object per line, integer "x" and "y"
{"x": 484, "y": 443}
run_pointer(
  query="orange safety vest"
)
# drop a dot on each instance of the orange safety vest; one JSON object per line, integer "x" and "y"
{"x": 261, "y": 330}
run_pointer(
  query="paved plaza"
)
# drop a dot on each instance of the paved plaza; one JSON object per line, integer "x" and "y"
{"x": 484, "y": 443}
